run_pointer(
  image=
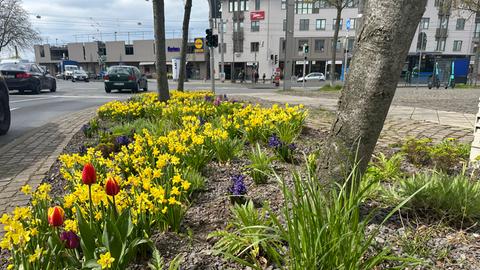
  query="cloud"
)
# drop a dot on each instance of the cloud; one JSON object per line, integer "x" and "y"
{"x": 64, "y": 21}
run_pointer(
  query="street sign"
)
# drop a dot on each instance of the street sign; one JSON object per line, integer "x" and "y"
{"x": 348, "y": 24}
{"x": 199, "y": 45}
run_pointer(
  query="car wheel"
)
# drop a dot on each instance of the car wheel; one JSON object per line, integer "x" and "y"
{"x": 108, "y": 90}
{"x": 146, "y": 87}
{"x": 37, "y": 89}
{"x": 4, "y": 113}
{"x": 136, "y": 88}
{"x": 73, "y": 80}
{"x": 54, "y": 87}
{"x": 87, "y": 80}
{"x": 21, "y": 92}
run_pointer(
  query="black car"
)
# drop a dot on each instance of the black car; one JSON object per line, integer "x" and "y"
{"x": 125, "y": 77}
{"x": 28, "y": 76}
{"x": 4, "y": 107}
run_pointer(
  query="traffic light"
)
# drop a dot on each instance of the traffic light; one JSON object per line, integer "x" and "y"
{"x": 215, "y": 41}
{"x": 209, "y": 37}
{"x": 276, "y": 59}
{"x": 306, "y": 49}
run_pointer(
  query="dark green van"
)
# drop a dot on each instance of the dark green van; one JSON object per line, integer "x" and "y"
{"x": 125, "y": 77}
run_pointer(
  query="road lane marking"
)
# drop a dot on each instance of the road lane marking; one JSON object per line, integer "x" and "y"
{"x": 31, "y": 99}
{"x": 13, "y": 109}
{"x": 93, "y": 97}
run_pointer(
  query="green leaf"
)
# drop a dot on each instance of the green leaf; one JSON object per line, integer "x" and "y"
{"x": 91, "y": 264}
{"x": 112, "y": 239}
{"x": 87, "y": 240}
{"x": 124, "y": 225}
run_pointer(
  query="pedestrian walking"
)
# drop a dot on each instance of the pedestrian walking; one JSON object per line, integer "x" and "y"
{"x": 256, "y": 77}
{"x": 263, "y": 77}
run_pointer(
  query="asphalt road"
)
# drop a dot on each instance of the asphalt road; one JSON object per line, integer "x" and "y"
{"x": 33, "y": 111}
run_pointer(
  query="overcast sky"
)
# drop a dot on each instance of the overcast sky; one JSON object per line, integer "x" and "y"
{"x": 63, "y": 21}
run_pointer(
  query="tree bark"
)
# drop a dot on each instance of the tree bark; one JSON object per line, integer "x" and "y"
{"x": 161, "y": 57}
{"x": 183, "y": 60}
{"x": 381, "y": 49}
{"x": 334, "y": 46}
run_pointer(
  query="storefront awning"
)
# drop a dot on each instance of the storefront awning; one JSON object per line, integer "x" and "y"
{"x": 147, "y": 63}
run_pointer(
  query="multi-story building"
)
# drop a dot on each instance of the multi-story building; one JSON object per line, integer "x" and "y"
{"x": 93, "y": 56}
{"x": 254, "y": 32}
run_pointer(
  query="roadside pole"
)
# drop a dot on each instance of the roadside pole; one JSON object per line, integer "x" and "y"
{"x": 304, "y": 64}
{"x": 212, "y": 51}
{"x": 287, "y": 63}
{"x": 348, "y": 25}
{"x": 222, "y": 53}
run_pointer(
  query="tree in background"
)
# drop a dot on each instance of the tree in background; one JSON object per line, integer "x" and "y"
{"x": 183, "y": 60}
{"x": 382, "y": 46}
{"x": 339, "y": 5}
{"x": 161, "y": 57}
{"x": 16, "y": 31}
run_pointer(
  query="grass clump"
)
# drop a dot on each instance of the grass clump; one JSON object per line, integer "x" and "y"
{"x": 328, "y": 88}
{"x": 455, "y": 198}
{"x": 260, "y": 165}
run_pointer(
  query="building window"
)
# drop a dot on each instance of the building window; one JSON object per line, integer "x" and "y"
{"x": 457, "y": 45}
{"x": 238, "y": 46}
{"x": 284, "y": 25}
{"x": 129, "y": 49}
{"x": 335, "y": 23}
{"x": 303, "y": 7}
{"x": 337, "y": 46}
{"x": 254, "y": 47}
{"x": 255, "y": 26}
{"x": 320, "y": 24}
{"x": 353, "y": 23}
{"x": 42, "y": 51}
{"x": 257, "y": 4}
{"x": 224, "y": 27}
{"x": 460, "y": 24}
{"x": 300, "y": 45}
{"x": 84, "y": 53}
{"x": 304, "y": 24}
{"x": 238, "y": 27}
{"x": 441, "y": 45}
{"x": 425, "y": 23}
{"x": 323, "y": 4}
{"x": 477, "y": 30}
{"x": 284, "y": 4}
{"x": 422, "y": 41}
{"x": 443, "y": 22}
{"x": 350, "y": 44}
{"x": 319, "y": 45}
{"x": 237, "y": 5}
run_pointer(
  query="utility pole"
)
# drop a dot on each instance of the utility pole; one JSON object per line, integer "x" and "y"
{"x": 222, "y": 53}
{"x": 304, "y": 50}
{"x": 287, "y": 64}
{"x": 212, "y": 50}
{"x": 475, "y": 67}
{"x": 420, "y": 55}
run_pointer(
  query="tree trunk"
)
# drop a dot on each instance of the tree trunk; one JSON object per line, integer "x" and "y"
{"x": 183, "y": 60}
{"x": 161, "y": 57}
{"x": 334, "y": 46}
{"x": 381, "y": 49}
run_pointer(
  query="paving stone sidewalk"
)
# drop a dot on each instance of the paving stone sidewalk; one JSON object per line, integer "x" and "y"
{"x": 27, "y": 159}
{"x": 402, "y": 121}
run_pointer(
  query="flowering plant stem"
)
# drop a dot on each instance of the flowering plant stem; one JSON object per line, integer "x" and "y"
{"x": 91, "y": 205}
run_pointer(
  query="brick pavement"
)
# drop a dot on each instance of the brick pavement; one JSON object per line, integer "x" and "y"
{"x": 27, "y": 159}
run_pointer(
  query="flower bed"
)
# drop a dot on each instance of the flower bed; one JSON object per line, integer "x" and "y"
{"x": 132, "y": 185}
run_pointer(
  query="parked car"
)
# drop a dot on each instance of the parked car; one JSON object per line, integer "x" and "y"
{"x": 80, "y": 75}
{"x": 28, "y": 76}
{"x": 125, "y": 77}
{"x": 314, "y": 76}
{"x": 68, "y": 73}
{"x": 4, "y": 107}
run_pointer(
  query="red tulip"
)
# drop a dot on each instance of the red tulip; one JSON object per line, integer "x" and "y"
{"x": 70, "y": 239}
{"x": 111, "y": 187}
{"x": 89, "y": 176}
{"x": 56, "y": 216}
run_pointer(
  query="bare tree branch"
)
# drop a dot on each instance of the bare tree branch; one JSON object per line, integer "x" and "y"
{"x": 15, "y": 27}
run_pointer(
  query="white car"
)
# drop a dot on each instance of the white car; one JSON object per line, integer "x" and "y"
{"x": 315, "y": 76}
{"x": 80, "y": 75}
{"x": 69, "y": 71}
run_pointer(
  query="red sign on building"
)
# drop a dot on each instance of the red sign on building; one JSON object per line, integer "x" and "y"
{"x": 257, "y": 15}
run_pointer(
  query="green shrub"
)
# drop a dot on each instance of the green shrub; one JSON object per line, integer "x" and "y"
{"x": 196, "y": 180}
{"x": 385, "y": 169}
{"x": 417, "y": 151}
{"x": 245, "y": 242}
{"x": 447, "y": 156}
{"x": 456, "y": 198}
{"x": 260, "y": 167}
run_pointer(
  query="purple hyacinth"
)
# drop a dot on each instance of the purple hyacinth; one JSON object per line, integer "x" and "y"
{"x": 86, "y": 128}
{"x": 274, "y": 142}
{"x": 202, "y": 121}
{"x": 217, "y": 101}
{"x": 82, "y": 150}
{"x": 292, "y": 146}
{"x": 225, "y": 97}
{"x": 208, "y": 98}
{"x": 70, "y": 239}
{"x": 122, "y": 140}
{"x": 238, "y": 187}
